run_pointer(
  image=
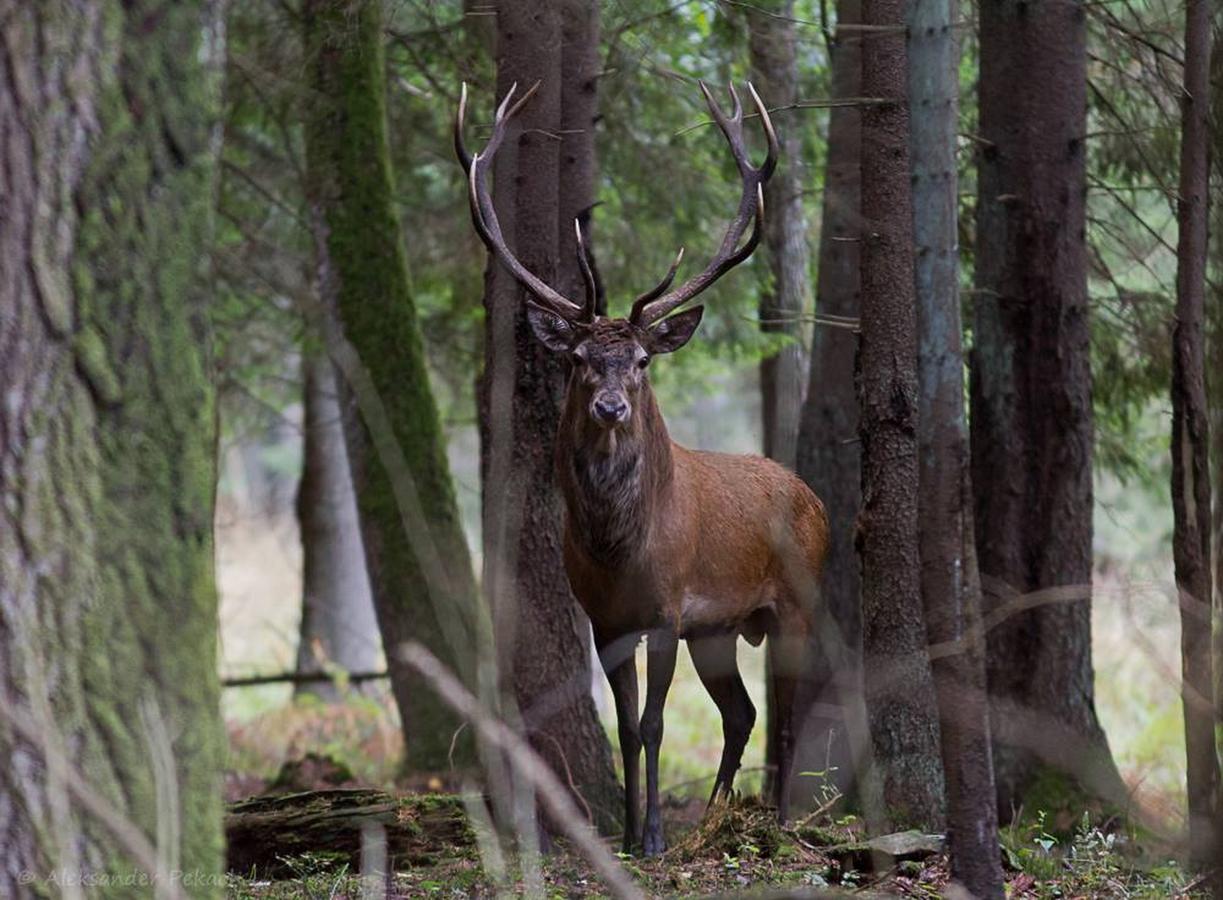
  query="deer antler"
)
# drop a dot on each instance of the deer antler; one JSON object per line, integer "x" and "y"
{"x": 649, "y": 307}
{"x": 484, "y": 216}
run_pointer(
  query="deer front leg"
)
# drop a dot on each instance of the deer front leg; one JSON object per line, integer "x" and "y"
{"x": 661, "y": 646}
{"x": 620, "y": 666}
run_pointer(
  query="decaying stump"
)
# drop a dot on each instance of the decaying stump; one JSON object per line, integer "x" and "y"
{"x": 420, "y": 829}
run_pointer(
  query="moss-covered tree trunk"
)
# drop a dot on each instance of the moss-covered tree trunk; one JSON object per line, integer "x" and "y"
{"x": 1031, "y": 420}
{"x": 109, "y": 719}
{"x": 417, "y": 558}
{"x": 544, "y": 175}
{"x": 828, "y": 451}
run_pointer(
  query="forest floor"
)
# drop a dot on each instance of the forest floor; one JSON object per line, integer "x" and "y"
{"x": 736, "y": 849}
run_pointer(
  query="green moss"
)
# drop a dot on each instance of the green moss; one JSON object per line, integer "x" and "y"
{"x": 91, "y": 358}
{"x": 350, "y": 180}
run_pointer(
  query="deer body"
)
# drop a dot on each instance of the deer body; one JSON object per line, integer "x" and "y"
{"x": 660, "y": 536}
{"x": 662, "y": 541}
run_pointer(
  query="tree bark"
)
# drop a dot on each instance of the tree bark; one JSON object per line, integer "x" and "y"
{"x": 1032, "y": 428}
{"x": 899, "y": 689}
{"x": 950, "y": 585}
{"x": 415, "y": 551}
{"x": 828, "y": 454}
{"x": 774, "y": 72}
{"x": 109, "y": 698}
{"x": 339, "y": 627}
{"x": 540, "y": 185}
{"x": 1191, "y": 444}
{"x": 1214, "y": 396}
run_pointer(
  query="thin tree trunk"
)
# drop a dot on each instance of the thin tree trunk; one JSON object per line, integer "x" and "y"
{"x": 1031, "y": 422}
{"x": 543, "y": 640}
{"x": 415, "y": 550}
{"x": 1214, "y": 396}
{"x": 900, "y": 699}
{"x": 109, "y": 724}
{"x": 1191, "y": 443}
{"x": 339, "y": 627}
{"x": 774, "y": 73}
{"x": 828, "y": 450}
{"x": 951, "y": 588}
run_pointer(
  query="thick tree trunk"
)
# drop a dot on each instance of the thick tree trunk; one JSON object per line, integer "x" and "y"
{"x": 899, "y": 689}
{"x": 1031, "y": 398}
{"x": 774, "y": 73}
{"x": 1191, "y": 444}
{"x": 339, "y": 627}
{"x": 109, "y": 723}
{"x": 951, "y": 588}
{"x": 415, "y": 551}
{"x": 828, "y": 451}
{"x": 540, "y": 185}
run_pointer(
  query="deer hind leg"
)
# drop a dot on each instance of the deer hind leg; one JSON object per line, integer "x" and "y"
{"x": 661, "y": 646}
{"x": 618, "y": 657}
{"x": 715, "y": 660}
{"x": 787, "y": 653}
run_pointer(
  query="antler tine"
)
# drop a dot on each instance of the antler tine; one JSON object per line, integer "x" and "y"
{"x": 588, "y": 275}
{"x": 656, "y": 291}
{"x": 483, "y": 213}
{"x": 647, "y": 309}
{"x": 770, "y": 133}
{"x": 460, "y": 149}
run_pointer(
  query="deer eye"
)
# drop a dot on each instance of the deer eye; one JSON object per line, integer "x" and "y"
{"x": 643, "y": 362}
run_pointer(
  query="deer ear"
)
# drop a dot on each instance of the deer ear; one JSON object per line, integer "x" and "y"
{"x": 553, "y": 331}
{"x": 674, "y": 331}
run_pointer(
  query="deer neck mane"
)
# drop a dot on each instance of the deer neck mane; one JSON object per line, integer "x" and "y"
{"x": 613, "y": 481}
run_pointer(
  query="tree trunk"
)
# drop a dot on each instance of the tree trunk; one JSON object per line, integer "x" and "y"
{"x": 543, "y": 639}
{"x": 1215, "y": 399}
{"x": 1031, "y": 416}
{"x": 1191, "y": 443}
{"x": 415, "y": 551}
{"x": 774, "y": 73}
{"x": 951, "y": 587}
{"x": 899, "y": 688}
{"x": 109, "y": 724}
{"x": 338, "y": 626}
{"x": 828, "y": 450}
{"x": 1214, "y": 396}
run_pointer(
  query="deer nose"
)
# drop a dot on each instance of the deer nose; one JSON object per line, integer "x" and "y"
{"x": 610, "y": 409}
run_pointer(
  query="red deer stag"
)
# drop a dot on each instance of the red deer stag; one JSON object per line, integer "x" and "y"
{"x": 662, "y": 541}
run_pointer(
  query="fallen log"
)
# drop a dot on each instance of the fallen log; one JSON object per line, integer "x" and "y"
{"x": 265, "y": 834}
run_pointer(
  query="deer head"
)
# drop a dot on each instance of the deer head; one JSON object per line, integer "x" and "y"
{"x": 610, "y": 356}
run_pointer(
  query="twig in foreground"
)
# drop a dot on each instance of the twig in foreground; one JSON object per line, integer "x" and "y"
{"x": 527, "y": 762}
